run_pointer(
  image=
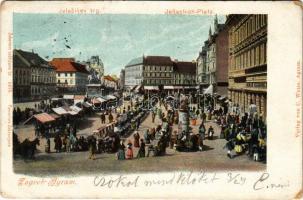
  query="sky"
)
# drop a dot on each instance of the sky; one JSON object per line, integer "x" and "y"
{"x": 116, "y": 38}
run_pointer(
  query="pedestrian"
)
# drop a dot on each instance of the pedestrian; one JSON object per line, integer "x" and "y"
{"x": 138, "y": 124}
{"x": 47, "y": 147}
{"x": 68, "y": 144}
{"x": 141, "y": 152}
{"x": 146, "y": 136}
{"x": 58, "y": 143}
{"x": 121, "y": 151}
{"x": 210, "y": 133}
{"x": 136, "y": 139}
{"x": 110, "y": 117}
{"x": 202, "y": 131}
{"x": 153, "y": 117}
{"x": 129, "y": 152}
{"x": 92, "y": 147}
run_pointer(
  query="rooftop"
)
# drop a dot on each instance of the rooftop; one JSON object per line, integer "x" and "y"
{"x": 67, "y": 65}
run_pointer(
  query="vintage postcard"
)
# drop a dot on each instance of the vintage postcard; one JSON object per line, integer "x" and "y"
{"x": 151, "y": 100}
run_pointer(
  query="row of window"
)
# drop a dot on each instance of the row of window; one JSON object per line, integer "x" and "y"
{"x": 71, "y": 81}
{"x": 254, "y": 23}
{"x": 21, "y": 80}
{"x": 253, "y": 57}
{"x": 157, "y": 68}
{"x": 169, "y": 82}
{"x": 66, "y": 74}
{"x": 44, "y": 79}
{"x": 153, "y": 74}
{"x": 20, "y": 73}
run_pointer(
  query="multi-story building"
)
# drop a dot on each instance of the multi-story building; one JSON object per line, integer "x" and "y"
{"x": 96, "y": 63}
{"x": 158, "y": 70}
{"x": 201, "y": 77}
{"x": 109, "y": 83}
{"x": 122, "y": 79}
{"x": 42, "y": 75}
{"x": 184, "y": 73}
{"x": 160, "y": 73}
{"x": 247, "y": 61}
{"x": 21, "y": 77}
{"x": 134, "y": 72}
{"x": 217, "y": 58}
{"x": 71, "y": 76}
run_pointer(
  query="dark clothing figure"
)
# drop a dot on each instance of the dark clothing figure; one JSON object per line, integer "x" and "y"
{"x": 58, "y": 143}
{"x": 153, "y": 117}
{"x": 110, "y": 118}
{"x": 47, "y": 147}
{"x": 210, "y": 133}
{"x": 102, "y": 118}
{"x": 136, "y": 140}
{"x": 141, "y": 152}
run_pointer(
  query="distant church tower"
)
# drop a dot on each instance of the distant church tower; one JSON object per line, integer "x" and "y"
{"x": 216, "y": 24}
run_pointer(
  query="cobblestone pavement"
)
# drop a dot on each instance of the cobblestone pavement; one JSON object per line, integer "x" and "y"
{"x": 212, "y": 159}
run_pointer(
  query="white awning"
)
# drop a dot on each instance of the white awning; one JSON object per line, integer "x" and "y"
{"x": 151, "y": 88}
{"x": 222, "y": 98}
{"x": 86, "y": 104}
{"x": 110, "y": 97}
{"x": 55, "y": 99}
{"x": 168, "y": 87}
{"x": 209, "y": 90}
{"x": 75, "y": 108}
{"x": 102, "y": 100}
{"x": 68, "y": 96}
{"x": 60, "y": 111}
{"x": 189, "y": 87}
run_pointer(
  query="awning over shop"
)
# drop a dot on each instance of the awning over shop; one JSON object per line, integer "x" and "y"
{"x": 75, "y": 108}
{"x": 60, "y": 111}
{"x": 168, "y": 87}
{"x": 86, "y": 104}
{"x": 56, "y": 99}
{"x": 138, "y": 88}
{"x": 133, "y": 87}
{"x": 95, "y": 101}
{"x": 151, "y": 88}
{"x": 222, "y": 98}
{"x": 68, "y": 96}
{"x": 78, "y": 98}
{"x": 44, "y": 118}
{"x": 189, "y": 87}
{"x": 209, "y": 90}
{"x": 101, "y": 100}
{"x": 178, "y": 87}
{"x": 54, "y": 115}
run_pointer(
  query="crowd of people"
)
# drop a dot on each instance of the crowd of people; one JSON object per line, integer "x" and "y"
{"x": 244, "y": 134}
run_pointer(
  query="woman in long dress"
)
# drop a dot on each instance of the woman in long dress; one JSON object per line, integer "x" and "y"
{"x": 136, "y": 139}
{"x": 141, "y": 152}
{"x": 121, "y": 152}
{"x": 129, "y": 152}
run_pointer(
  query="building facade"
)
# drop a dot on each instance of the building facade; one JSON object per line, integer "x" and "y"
{"x": 70, "y": 75}
{"x": 21, "y": 78}
{"x": 97, "y": 65}
{"x": 184, "y": 73}
{"x": 42, "y": 75}
{"x": 158, "y": 70}
{"x": 201, "y": 78}
{"x": 134, "y": 72}
{"x": 122, "y": 79}
{"x": 247, "y": 61}
{"x": 212, "y": 62}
